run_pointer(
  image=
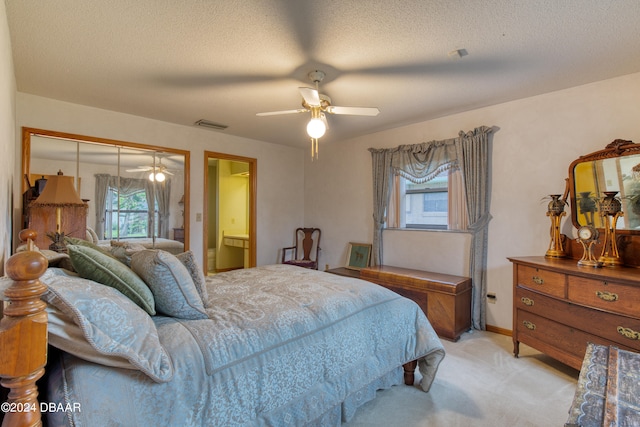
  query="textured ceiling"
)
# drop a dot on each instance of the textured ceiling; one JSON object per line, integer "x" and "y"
{"x": 225, "y": 61}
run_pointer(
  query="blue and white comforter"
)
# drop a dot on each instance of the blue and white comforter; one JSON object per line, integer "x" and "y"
{"x": 283, "y": 346}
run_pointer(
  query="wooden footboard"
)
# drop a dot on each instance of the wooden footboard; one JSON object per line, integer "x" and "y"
{"x": 23, "y": 337}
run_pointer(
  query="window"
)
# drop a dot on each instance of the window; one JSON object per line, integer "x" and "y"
{"x": 438, "y": 204}
{"x": 426, "y": 205}
{"x": 132, "y": 219}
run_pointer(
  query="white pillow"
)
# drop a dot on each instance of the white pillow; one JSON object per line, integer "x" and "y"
{"x": 92, "y": 236}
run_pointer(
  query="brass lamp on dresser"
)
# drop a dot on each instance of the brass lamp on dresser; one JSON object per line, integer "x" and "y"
{"x": 560, "y": 304}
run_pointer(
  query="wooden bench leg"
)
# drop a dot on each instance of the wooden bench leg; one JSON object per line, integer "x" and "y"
{"x": 409, "y": 372}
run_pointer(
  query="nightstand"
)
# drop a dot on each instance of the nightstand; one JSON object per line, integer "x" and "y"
{"x": 178, "y": 234}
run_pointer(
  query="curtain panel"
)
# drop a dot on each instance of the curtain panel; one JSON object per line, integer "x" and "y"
{"x": 163, "y": 195}
{"x": 470, "y": 153}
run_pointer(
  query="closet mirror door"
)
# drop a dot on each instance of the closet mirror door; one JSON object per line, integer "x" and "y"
{"x": 134, "y": 192}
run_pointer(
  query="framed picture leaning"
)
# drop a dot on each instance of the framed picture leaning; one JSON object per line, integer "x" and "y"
{"x": 358, "y": 256}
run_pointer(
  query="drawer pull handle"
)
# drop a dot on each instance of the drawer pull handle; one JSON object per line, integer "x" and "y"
{"x": 628, "y": 333}
{"x": 538, "y": 280}
{"x": 607, "y": 296}
{"x": 527, "y": 301}
{"x": 529, "y": 325}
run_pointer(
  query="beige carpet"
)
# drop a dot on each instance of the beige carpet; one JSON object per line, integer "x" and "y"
{"x": 480, "y": 383}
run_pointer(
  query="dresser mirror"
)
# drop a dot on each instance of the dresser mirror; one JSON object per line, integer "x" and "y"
{"x": 118, "y": 180}
{"x": 616, "y": 168}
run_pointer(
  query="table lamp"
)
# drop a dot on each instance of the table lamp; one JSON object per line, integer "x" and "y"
{"x": 59, "y": 196}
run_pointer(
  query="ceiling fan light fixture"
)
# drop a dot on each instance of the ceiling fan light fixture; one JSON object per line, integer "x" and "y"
{"x": 316, "y": 128}
{"x": 159, "y": 177}
{"x": 318, "y": 104}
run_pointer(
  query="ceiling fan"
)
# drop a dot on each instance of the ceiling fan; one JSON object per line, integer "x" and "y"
{"x": 318, "y": 104}
{"x": 158, "y": 171}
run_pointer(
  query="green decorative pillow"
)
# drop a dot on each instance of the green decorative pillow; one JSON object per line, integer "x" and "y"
{"x": 102, "y": 268}
{"x": 170, "y": 282}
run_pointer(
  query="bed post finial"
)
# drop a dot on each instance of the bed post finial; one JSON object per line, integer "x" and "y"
{"x": 23, "y": 338}
{"x": 29, "y": 237}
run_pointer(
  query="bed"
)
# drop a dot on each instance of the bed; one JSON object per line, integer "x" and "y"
{"x": 172, "y": 246}
{"x": 272, "y": 345}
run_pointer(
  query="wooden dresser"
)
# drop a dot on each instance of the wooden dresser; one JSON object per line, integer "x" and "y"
{"x": 559, "y": 307}
{"x": 444, "y": 298}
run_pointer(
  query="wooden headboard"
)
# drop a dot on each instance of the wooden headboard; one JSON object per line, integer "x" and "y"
{"x": 23, "y": 336}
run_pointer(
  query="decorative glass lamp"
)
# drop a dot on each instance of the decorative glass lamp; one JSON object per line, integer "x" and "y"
{"x": 555, "y": 211}
{"x": 611, "y": 210}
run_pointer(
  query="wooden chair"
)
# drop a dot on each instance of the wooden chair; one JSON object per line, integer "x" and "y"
{"x": 306, "y": 250}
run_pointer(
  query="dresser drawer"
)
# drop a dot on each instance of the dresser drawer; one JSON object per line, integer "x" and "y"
{"x": 552, "y": 308}
{"x": 545, "y": 281}
{"x": 623, "y": 330}
{"x": 572, "y": 341}
{"x": 563, "y": 342}
{"x": 609, "y": 296}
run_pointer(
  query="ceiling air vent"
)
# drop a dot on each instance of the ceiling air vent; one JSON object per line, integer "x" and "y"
{"x": 210, "y": 125}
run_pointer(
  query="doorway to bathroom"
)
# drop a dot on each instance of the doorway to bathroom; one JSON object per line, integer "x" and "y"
{"x": 229, "y": 212}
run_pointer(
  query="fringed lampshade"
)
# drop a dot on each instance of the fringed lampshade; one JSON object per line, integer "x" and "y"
{"x": 58, "y": 211}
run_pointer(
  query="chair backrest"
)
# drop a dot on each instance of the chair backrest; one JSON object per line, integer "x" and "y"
{"x": 308, "y": 240}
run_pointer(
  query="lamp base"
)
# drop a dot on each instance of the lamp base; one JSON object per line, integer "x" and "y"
{"x": 58, "y": 244}
{"x": 589, "y": 263}
{"x": 610, "y": 261}
{"x": 554, "y": 253}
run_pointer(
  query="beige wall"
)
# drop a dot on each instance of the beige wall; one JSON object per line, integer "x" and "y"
{"x": 534, "y": 142}
{"x": 279, "y": 199}
{"x": 7, "y": 136}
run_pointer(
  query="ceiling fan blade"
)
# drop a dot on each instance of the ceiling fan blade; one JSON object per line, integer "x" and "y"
{"x": 140, "y": 169}
{"x": 275, "y": 113}
{"x": 167, "y": 172}
{"x": 311, "y": 96}
{"x": 354, "y": 111}
{"x": 323, "y": 117}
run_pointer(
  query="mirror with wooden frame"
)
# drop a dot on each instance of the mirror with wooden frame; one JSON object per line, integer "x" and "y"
{"x": 119, "y": 181}
{"x": 616, "y": 168}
